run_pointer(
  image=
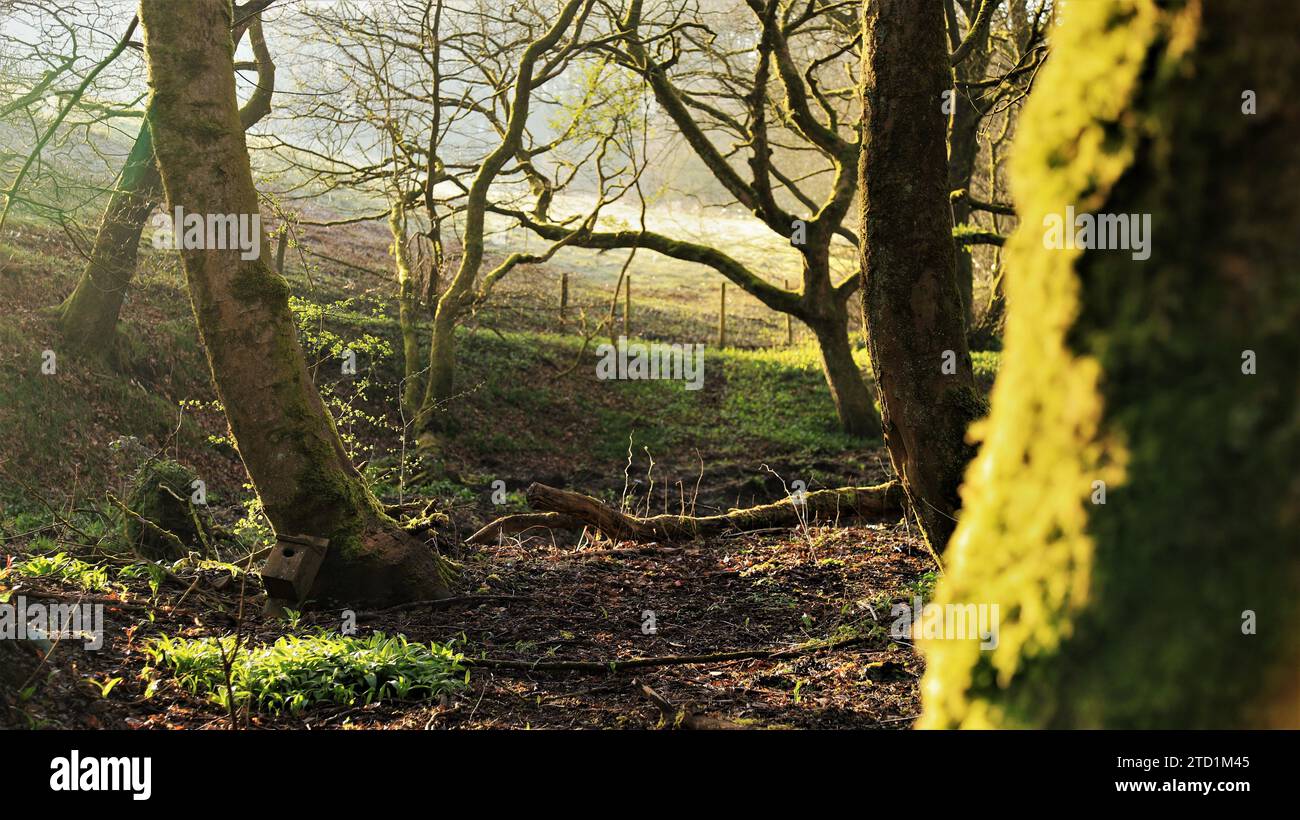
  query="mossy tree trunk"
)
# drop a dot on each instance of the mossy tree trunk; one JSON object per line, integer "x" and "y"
{"x": 853, "y": 404}
{"x": 285, "y": 435}
{"x": 1138, "y": 612}
{"x": 442, "y": 369}
{"x": 916, "y": 334}
{"x": 88, "y": 317}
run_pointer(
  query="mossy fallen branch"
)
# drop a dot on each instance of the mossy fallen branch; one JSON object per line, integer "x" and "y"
{"x": 570, "y": 510}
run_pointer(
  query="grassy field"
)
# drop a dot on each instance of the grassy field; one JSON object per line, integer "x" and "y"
{"x": 681, "y": 297}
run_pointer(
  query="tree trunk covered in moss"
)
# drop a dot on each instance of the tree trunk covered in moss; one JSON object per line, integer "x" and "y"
{"x": 284, "y": 433}
{"x": 915, "y": 332}
{"x": 1134, "y": 613}
{"x": 442, "y": 371}
{"x": 88, "y": 317}
{"x": 824, "y": 308}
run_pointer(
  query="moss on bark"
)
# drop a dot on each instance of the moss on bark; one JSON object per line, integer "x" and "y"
{"x": 1136, "y": 612}
{"x": 853, "y": 402}
{"x": 160, "y": 492}
{"x": 88, "y": 317}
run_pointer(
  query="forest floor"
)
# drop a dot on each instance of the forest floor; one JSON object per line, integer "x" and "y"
{"x": 816, "y": 599}
{"x": 543, "y": 604}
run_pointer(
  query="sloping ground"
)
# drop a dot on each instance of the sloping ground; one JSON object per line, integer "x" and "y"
{"x": 531, "y": 409}
{"x": 57, "y": 428}
{"x": 531, "y": 406}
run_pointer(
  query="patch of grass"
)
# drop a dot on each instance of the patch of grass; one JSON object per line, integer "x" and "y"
{"x": 84, "y": 401}
{"x": 296, "y": 672}
{"x": 771, "y": 400}
{"x": 15, "y": 256}
{"x": 780, "y": 396}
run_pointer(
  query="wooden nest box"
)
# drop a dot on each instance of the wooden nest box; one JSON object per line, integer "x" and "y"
{"x": 291, "y": 568}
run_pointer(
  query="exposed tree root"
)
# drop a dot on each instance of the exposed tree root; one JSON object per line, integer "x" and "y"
{"x": 562, "y": 509}
{"x": 389, "y": 565}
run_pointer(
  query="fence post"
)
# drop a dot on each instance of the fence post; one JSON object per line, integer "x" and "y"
{"x": 722, "y": 317}
{"x": 564, "y": 295}
{"x": 789, "y": 323}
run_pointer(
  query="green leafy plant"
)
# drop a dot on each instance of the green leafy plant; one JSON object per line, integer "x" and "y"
{"x": 63, "y": 568}
{"x": 254, "y": 530}
{"x": 296, "y": 672}
{"x": 105, "y": 686}
{"x": 923, "y": 586}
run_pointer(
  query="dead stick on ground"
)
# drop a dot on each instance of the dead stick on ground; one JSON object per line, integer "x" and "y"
{"x": 108, "y": 602}
{"x": 670, "y": 660}
{"x": 438, "y": 603}
{"x": 678, "y": 718}
{"x": 648, "y": 549}
{"x": 520, "y": 523}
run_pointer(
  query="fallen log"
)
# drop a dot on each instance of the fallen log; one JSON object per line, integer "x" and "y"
{"x": 570, "y": 510}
